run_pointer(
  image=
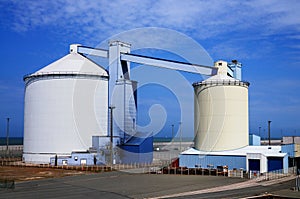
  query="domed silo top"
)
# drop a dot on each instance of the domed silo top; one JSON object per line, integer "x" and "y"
{"x": 74, "y": 65}
{"x": 221, "y": 78}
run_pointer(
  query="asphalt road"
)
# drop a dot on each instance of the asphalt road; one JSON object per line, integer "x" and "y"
{"x": 281, "y": 189}
{"x": 128, "y": 185}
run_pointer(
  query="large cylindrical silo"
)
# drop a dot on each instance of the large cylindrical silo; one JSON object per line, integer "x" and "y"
{"x": 66, "y": 103}
{"x": 221, "y": 112}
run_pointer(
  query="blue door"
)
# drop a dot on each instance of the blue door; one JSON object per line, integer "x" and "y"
{"x": 275, "y": 163}
{"x": 254, "y": 165}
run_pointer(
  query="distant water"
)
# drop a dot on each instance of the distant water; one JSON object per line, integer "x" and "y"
{"x": 12, "y": 141}
{"x": 19, "y": 140}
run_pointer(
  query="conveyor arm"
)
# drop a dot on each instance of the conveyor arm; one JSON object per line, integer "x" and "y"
{"x": 152, "y": 61}
{"x": 170, "y": 64}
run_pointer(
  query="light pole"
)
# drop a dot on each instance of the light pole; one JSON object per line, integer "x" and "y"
{"x": 259, "y": 128}
{"x": 180, "y": 136}
{"x": 294, "y": 166}
{"x": 269, "y": 131}
{"x": 265, "y": 137}
{"x": 7, "y": 134}
{"x": 111, "y": 134}
{"x": 172, "y": 131}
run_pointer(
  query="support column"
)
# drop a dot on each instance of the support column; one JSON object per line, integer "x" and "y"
{"x": 118, "y": 72}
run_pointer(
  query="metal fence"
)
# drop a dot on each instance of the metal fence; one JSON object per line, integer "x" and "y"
{"x": 236, "y": 173}
{"x": 13, "y": 151}
{"x": 297, "y": 183}
{"x": 132, "y": 168}
{"x": 17, "y": 162}
{"x": 276, "y": 174}
{"x": 159, "y": 167}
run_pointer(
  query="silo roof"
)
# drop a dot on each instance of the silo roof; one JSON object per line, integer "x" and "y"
{"x": 221, "y": 80}
{"x": 220, "y": 77}
{"x": 72, "y": 63}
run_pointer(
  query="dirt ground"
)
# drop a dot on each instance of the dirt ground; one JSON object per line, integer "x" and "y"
{"x": 33, "y": 173}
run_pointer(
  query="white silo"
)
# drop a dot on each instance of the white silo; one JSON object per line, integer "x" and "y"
{"x": 221, "y": 112}
{"x": 66, "y": 103}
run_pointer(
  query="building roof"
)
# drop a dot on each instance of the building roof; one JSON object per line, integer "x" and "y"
{"x": 268, "y": 151}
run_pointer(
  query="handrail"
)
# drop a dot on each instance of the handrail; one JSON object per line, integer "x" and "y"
{"x": 54, "y": 73}
{"x": 221, "y": 82}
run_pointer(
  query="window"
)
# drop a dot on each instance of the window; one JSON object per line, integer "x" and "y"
{"x": 65, "y": 162}
{"x": 82, "y": 161}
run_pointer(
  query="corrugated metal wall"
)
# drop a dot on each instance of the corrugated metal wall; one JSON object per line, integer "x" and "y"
{"x": 194, "y": 161}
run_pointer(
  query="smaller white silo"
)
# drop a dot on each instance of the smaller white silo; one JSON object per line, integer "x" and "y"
{"x": 66, "y": 103}
{"x": 221, "y": 112}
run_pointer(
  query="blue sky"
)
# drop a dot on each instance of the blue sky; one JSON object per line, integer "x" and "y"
{"x": 264, "y": 35}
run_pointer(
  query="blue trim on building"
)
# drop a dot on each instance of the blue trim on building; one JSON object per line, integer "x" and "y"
{"x": 254, "y": 140}
{"x": 289, "y": 149}
{"x": 205, "y": 161}
{"x": 75, "y": 159}
{"x": 275, "y": 163}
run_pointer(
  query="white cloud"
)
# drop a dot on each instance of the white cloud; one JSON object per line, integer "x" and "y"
{"x": 203, "y": 19}
{"x": 232, "y": 24}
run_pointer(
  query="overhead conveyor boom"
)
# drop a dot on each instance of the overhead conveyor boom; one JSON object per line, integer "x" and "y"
{"x": 170, "y": 64}
{"x": 152, "y": 61}
{"x": 92, "y": 51}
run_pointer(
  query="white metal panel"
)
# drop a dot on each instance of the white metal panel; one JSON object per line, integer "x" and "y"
{"x": 37, "y": 158}
{"x": 263, "y": 164}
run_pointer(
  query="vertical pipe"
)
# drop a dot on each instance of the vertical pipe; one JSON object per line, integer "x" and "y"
{"x": 7, "y": 134}
{"x": 269, "y": 132}
{"x": 111, "y": 134}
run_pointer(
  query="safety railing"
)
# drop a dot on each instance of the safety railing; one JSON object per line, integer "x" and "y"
{"x": 276, "y": 174}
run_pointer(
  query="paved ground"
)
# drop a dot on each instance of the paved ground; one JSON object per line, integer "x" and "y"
{"x": 128, "y": 185}
{"x": 113, "y": 185}
{"x": 279, "y": 188}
